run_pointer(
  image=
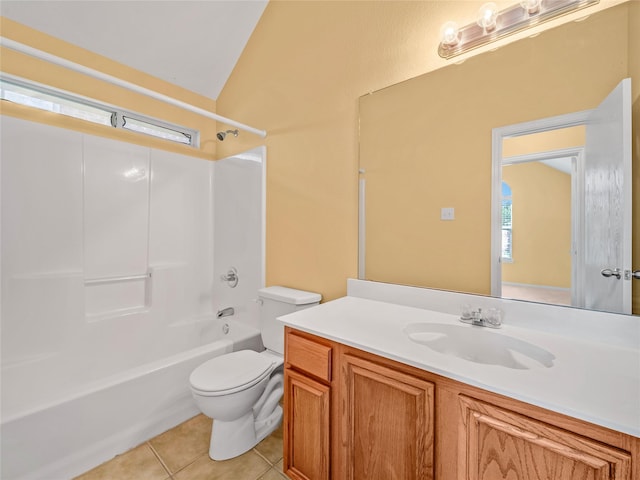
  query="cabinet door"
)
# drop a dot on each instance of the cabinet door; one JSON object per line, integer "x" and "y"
{"x": 306, "y": 424}
{"x": 388, "y": 423}
{"x": 499, "y": 444}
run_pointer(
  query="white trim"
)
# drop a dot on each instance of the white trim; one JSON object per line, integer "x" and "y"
{"x": 544, "y": 124}
{"x": 541, "y": 156}
{"x": 627, "y": 222}
{"x": 362, "y": 234}
{"x": 497, "y": 135}
{"x": 263, "y": 233}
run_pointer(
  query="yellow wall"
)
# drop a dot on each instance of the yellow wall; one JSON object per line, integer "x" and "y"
{"x": 299, "y": 78}
{"x": 426, "y": 144}
{"x": 541, "y": 225}
{"x": 29, "y": 68}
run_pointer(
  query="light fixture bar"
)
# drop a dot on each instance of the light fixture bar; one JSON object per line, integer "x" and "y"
{"x": 509, "y": 21}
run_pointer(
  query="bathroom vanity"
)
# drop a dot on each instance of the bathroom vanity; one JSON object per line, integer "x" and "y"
{"x": 369, "y": 395}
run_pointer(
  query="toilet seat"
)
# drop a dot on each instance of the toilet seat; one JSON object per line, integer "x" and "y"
{"x": 231, "y": 373}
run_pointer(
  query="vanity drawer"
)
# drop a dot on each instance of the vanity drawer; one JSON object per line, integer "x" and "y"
{"x": 309, "y": 356}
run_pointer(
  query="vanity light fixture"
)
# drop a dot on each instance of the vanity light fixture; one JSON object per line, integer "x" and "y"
{"x": 450, "y": 34}
{"x": 492, "y": 24}
{"x": 531, "y": 6}
{"x": 488, "y": 17}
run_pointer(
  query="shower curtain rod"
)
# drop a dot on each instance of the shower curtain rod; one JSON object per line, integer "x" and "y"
{"x": 39, "y": 54}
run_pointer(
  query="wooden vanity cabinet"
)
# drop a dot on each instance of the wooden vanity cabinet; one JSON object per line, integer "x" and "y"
{"x": 307, "y": 427}
{"x": 307, "y": 406}
{"x": 498, "y": 443}
{"x": 364, "y": 417}
{"x": 387, "y": 423}
{"x": 348, "y": 416}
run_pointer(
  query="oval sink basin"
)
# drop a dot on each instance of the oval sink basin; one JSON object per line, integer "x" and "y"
{"x": 477, "y": 344}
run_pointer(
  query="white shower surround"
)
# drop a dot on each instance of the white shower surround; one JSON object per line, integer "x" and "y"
{"x": 78, "y": 207}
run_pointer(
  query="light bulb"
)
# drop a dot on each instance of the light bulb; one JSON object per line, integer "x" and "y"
{"x": 488, "y": 16}
{"x": 531, "y": 6}
{"x": 450, "y": 34}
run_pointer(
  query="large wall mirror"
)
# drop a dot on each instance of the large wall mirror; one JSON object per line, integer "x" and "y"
{"x": 426, "y": 163}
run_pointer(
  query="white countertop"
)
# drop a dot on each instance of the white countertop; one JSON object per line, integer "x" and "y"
{"x": 591, "y": 381}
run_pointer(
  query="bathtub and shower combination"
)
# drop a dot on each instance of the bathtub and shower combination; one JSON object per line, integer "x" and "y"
{"x": 112, "y": 256}
{"x": 53, "y": 434}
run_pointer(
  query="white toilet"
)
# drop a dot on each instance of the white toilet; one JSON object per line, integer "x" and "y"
{"x": 241, "y": 390}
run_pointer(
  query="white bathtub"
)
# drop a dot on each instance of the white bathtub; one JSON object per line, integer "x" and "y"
{"x": 54, "y": 429}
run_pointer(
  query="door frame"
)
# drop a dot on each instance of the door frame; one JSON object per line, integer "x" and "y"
{"x": 497, "y": 136}
{"x": 576, "y": 154}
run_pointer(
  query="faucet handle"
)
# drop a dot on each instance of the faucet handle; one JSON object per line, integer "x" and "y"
{"x": 493, "y": 318}
{"x": 231, "y": 277}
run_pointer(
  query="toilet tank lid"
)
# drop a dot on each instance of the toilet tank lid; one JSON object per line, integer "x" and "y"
{"x": 289, "y": 295}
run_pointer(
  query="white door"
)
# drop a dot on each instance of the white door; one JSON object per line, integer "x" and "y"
{"x": 607, "y": 206}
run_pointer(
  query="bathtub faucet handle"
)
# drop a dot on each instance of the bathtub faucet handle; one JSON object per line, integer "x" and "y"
{"x": 231, "y": 277}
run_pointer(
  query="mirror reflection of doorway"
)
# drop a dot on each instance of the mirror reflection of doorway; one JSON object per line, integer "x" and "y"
{"x": 540, "y": 216}
{"x": 598, "y": 183}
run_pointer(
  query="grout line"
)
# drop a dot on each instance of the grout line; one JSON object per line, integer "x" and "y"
{"x": 164, "y": 465}
{"x": 281, "y": 474}
{"x": 262, "y": 475}
{"x": 264, "y": 458}
{"x": 192, "y": 462}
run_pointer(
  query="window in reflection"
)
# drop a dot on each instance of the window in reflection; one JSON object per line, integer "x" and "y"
{"x": 507, "y": 224}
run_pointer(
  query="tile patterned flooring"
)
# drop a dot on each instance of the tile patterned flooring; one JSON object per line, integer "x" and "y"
{"x": 182, "y": 454}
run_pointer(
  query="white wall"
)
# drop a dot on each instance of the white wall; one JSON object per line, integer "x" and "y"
{"x": 239, "y": 238}
{"x": 76, "y": 208}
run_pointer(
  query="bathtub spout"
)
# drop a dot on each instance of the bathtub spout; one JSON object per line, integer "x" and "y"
{"x": 225, "y": 312}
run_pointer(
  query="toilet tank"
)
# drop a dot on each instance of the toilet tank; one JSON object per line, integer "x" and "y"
{"x": 275, "y": 302}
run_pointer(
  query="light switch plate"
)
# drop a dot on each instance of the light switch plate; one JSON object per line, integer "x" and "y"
{"x": 447, "y": 213}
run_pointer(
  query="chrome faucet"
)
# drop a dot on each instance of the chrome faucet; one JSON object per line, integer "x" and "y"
{"x": 226, "y": 312}
{"x": 491, "y": 319}
{"x": 476, "y": 317}
{"x": 231, "y": 277}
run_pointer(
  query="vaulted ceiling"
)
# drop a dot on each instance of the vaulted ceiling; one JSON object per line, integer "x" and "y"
{"x": 191, "y": 43}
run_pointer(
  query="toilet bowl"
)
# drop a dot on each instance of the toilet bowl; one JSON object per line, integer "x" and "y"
{"x": 241, "y": 390}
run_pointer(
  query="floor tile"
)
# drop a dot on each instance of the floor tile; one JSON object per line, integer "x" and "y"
{"x": 272, "y": 474}
{"x": 183, "y": 444}
{"x": 271, "y": 447}
{"x": 249, "y": 466}
{"x": 137, "y": 464}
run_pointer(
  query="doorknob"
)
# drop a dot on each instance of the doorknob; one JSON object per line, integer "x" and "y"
{"x": 635, "y": 274}
{"x": 607, "y": 272}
